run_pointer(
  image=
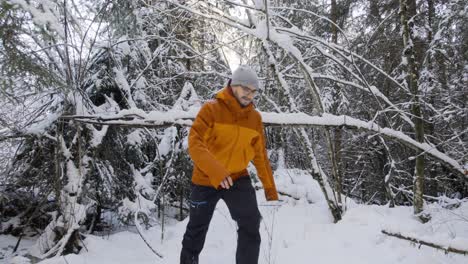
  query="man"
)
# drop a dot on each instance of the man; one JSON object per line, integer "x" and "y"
{"x": 225, "y": 136}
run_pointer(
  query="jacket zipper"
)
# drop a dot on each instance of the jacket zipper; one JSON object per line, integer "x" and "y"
{"x": 232, "y": 149}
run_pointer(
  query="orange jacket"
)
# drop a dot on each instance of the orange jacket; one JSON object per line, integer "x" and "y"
{"x": 224, "y": 138}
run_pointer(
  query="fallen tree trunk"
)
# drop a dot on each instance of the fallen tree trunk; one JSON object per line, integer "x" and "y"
{"x": 429, "y": 244}
{"x": 182, "y": 118}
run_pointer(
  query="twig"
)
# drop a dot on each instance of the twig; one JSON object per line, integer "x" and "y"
{"x": 138, "y": 227}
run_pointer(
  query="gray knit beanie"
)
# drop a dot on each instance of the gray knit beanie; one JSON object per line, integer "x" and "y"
{"x": 244, "y": 75}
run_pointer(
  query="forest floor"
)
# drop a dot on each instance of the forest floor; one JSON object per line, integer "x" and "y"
{"x": 293, "y": 231}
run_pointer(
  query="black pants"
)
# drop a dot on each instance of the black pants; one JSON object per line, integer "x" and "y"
{"x": 242, "y": 204}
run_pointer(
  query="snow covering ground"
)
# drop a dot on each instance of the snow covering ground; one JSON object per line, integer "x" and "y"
{"x": 293, "y": 231}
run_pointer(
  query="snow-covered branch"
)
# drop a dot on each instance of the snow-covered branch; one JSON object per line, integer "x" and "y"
{"x": 184, "y": 118}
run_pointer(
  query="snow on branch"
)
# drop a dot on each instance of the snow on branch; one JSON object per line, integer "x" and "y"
{"x": 283, "y": 37}
{"x": 155, "y": 119}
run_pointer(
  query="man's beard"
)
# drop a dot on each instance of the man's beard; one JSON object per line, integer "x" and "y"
{"x": 246, "y": 100}
{"x": 242, "y": 100}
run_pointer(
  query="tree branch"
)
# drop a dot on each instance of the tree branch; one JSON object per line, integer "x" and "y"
{"x": 429, "y": 244}
{"x": 285, "y": 119}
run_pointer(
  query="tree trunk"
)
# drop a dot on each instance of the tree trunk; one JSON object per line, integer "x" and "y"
{"x": 316, "y": 171}
{"x": 336, "y": 148}
{"x": 407, "y": 9}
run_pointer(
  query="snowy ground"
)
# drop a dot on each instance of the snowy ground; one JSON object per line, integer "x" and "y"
{"x": 294, "y": 232}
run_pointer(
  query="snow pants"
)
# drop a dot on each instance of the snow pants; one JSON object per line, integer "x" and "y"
{"x": 242, "y": 204}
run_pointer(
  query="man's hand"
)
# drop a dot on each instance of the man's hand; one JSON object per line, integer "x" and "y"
{"x": 227, "y": 182}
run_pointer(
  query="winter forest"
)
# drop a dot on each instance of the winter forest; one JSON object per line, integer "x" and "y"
{"x": 364, "y": 105}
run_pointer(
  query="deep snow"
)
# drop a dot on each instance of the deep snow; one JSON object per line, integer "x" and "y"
{"x": 293, "y": 231}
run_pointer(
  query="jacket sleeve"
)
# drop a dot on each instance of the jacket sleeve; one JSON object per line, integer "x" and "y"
{"x": 198, "y": 150}
{"x": 262, "y": 164}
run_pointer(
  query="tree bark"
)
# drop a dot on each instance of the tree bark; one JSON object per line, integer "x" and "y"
{"x": 336, "y": 148}
{"x": 407, "y": 13}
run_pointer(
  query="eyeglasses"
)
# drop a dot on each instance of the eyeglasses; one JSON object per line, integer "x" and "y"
{"x": 248, "y": 91}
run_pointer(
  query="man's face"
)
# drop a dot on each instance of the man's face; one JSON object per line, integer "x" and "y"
{"x": 244, "y": 94}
